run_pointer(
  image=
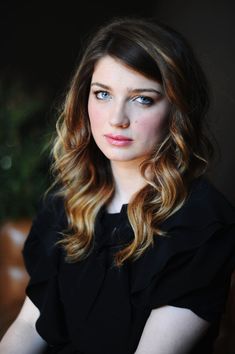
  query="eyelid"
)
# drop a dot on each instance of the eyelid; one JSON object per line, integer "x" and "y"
{"x": 97, "y": 92}
{"x": 144, "y": 97}
{"x": 152, "y": 95}
{"x": 148, "y": 92}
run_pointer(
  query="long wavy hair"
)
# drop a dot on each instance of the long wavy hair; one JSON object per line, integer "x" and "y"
{"x": 83, "y": 173}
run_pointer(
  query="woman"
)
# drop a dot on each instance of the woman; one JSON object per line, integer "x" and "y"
{"x": 133, "y": 249}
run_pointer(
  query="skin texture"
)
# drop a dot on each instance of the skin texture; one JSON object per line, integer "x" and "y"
{"x": 22, "y": 337}
{"x": 124, "y": 102}
{"x": 171, "y": 330}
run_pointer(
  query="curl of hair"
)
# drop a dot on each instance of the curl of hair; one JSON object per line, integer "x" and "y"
{"x": 84, "y": 174}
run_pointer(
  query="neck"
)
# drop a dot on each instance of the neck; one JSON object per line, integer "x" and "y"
{"x": 128, "y": 181}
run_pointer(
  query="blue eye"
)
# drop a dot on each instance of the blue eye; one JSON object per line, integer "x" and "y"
{"x": 102, "y": 95}
{"x": 147, "y": 101}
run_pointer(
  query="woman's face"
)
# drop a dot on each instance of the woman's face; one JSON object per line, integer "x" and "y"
{"x": 128, "y": 112}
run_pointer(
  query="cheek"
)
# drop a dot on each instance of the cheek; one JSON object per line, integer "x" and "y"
{"x": 94, "y": 115}
{"x": 155, "y": 121}
{"x": 152, "y": 128}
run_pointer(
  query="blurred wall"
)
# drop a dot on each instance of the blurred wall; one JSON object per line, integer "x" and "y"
{"x": 210, "y": 27}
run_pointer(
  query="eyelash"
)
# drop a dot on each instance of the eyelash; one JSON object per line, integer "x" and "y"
{"x": 96, "y": 93}
{"x": 146, "y": 98}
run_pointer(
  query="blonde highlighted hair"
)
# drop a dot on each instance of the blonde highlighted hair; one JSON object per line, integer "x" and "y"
{"x": 83, "y": 172}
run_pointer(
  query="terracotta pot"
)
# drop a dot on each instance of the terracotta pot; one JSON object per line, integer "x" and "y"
{"x": 13, "y": 276}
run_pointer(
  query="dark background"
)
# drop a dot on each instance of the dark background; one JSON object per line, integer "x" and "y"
{"x": 40, "y": 46}
{"x": 210, "y": 27}
{"x": 41, "y": 40}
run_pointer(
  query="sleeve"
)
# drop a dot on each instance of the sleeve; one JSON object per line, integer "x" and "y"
{"x": 192, "y": 266}
{"x": 40, "y": 252}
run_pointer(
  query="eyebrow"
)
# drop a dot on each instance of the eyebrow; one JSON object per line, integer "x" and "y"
{"x": 138, "y": 90}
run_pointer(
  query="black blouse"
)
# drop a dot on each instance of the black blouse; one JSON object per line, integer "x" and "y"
{"x": 92, "y": 307}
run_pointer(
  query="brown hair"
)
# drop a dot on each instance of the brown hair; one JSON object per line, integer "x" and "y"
{"x": 84, "y": 173}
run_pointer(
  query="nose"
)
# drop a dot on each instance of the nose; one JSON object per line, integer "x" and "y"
{"x": 119, "y": 116}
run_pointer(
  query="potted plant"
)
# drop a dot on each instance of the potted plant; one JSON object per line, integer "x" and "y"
{"x": 25, "y": 134}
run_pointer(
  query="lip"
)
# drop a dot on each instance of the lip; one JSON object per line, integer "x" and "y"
{"x": 118, "y": 137}
{"x": 118, "y": 140}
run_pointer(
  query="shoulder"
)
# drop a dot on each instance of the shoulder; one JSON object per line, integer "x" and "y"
{"x": 205, "y": 205}
{"x": 195, "y": 258}
{"x": 206, "y": 220}
{"x": 204, "y": 192}
{"x": 51, "y": 210}
{"x": 47, "y": 225}
{"x": 41, "y": 252}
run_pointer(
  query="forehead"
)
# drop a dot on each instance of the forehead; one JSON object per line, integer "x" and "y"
{"x": 110, "y": 70}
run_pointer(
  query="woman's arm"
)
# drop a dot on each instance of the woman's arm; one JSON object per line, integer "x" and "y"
{"x": 22, "y": 337}
{"x": 171, "y": 330}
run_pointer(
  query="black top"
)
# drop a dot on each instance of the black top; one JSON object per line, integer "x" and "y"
{"x": 92, "y": 307}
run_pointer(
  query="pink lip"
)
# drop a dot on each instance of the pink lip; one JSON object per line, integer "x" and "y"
{"x": 118, "y": 137}
{"x": 118, "y": 140}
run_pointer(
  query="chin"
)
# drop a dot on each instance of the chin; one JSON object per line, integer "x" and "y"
{"x": 118, "y": 158}
{"x": 125, "y": 159}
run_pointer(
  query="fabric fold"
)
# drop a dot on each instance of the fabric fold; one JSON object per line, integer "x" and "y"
{"x": 194, "y": 261}
{"x": 188, "y": 268}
